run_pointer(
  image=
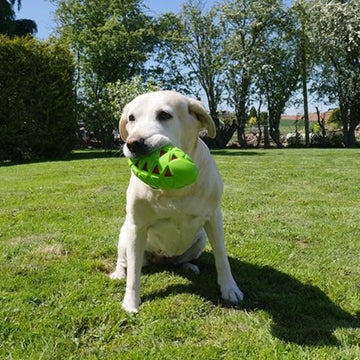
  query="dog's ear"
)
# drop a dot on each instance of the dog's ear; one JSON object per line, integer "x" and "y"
{"x": 122, "y": 124}
{"x": 197, "y": 108}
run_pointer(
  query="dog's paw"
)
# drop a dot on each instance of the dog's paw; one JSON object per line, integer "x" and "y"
{"x": 232, "y": 294}
{"x": 189, "y": 266}
{"x": 118, "y": 274}
{"x": 131, "y": 304}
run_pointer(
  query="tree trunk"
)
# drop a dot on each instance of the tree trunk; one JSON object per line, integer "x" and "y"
{"x": 223, "y": 136}
{"x": 266, "y": 136}
{"x": 219, "y": 140}
{"x": 241, "y": 121}
{"x": 260, "y": 134}
{"x": 345, "y": 122}
{"x": 275, "y": 135}
{"x": 303, "y": 46}
{"x": 241, "y": 111}
{"x": 353, "y": 122}
{"x": 258, "y": 120}
{"x": 229, "y": 132}
{"x": 321, "y": 122}
{"x": 350, "y": 119}
{"x": 306, "y": 108}
{"x": 274, "y": 122}
{"x": 213, "y": 110}
{"x": 241, "y": 136}
{"x": 345, "y": 133}
{"x": 351, "y": 136}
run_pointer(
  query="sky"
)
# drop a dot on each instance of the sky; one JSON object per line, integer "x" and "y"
{"x": 42, "y": 12}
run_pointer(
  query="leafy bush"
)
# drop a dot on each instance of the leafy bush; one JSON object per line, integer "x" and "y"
{"x": 335, "y": 118}
{"x": 36, "y": 100}
{"x": 332, "y": 139}
{"x": 336, "y": 139}
{"x": 295, "y": 140}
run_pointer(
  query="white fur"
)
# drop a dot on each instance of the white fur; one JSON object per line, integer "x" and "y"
{"x": 171, "y": 224}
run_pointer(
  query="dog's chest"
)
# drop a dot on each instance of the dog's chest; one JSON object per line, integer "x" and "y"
{"x": 174, "y": 232}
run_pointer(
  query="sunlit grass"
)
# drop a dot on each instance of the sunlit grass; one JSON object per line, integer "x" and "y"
{"x": 292, "y": 230}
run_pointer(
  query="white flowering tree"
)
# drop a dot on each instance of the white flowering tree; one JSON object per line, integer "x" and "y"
{"x": 122, "y": 92}
{"x": 335, "y": 29}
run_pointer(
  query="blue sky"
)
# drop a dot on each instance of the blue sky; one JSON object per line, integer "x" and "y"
{"x": 42, "y": 12}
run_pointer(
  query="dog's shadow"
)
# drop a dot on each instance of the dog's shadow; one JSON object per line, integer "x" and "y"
{"x": 301, "y": 313}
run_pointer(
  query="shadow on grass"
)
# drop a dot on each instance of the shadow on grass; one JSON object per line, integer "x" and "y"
{"x": 93, "y": 154}
{"x": 232, "y": 152}
{"x": 75, "y": 155}
{"x": 301, "y": 313}
{"x": 101, "y": 154}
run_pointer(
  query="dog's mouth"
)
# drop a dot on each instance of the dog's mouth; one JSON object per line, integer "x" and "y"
{"x": 136, "y": 147}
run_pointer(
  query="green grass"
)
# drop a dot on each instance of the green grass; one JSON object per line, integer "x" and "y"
{"x": 292, "y": 225}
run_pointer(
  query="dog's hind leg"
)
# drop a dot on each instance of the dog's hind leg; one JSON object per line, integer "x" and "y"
{"x": 193, "y": 253}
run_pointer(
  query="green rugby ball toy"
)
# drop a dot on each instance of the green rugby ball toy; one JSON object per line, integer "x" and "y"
{"x": 167, "y": 168}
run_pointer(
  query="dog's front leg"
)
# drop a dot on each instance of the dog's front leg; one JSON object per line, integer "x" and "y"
{"x": 120, "y": 270}
{"x": 215, "y": 232}
{"x": 134, "y": 257}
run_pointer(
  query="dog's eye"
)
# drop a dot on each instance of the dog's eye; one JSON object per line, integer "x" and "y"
{"x": 131, "y": 117}
{"x": 163, "y": 116}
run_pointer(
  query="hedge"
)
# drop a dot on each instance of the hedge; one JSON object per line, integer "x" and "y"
{"x": 36, "y": 100}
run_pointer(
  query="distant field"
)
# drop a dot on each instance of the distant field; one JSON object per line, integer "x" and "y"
{"x": 289, "y": 126}
{"x": 292, "y": 231}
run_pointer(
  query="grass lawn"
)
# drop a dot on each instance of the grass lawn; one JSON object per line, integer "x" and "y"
{"x": 292, "y": 225}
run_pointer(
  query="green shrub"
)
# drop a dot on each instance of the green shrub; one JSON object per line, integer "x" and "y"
{"x": 295, "y": 140}
{"x": 36, "y": 100}
{"x": 332, "y": 139}
{"x": 335, "y": 118}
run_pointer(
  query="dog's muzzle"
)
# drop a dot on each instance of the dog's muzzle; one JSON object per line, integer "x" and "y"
{"x": 137, "y": 146}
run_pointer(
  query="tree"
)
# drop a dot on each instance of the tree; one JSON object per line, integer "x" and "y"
{"x": 277, "y": 76}
{"x": 197, "y": 39}
{"x": 11, "y": 27}
{"x": 36, "y": 100}
{"x": 111, "y": 41}
{"x": 122, "y": 92}
{"x": 202, "y": 52}
{"x": 247, "y": 25}
{"x": 166, "y": 68}
{"x": 335, "y": 28}
{"x": 335, "y": 118}
{"x": 299, "y": 8}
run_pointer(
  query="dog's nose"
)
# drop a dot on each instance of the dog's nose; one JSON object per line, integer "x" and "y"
{"x": 136, "y": 145}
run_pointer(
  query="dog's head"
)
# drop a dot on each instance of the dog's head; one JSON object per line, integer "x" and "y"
{"x": 159, "y": 118}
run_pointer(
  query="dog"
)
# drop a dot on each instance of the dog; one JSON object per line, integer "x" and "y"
{"x": 170, "y": 226}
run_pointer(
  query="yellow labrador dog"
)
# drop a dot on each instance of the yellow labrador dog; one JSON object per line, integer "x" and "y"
{"x": 170, "y": 226}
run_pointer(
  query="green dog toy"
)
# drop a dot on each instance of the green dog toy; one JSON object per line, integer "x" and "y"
{"x": 167, "y": 168}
